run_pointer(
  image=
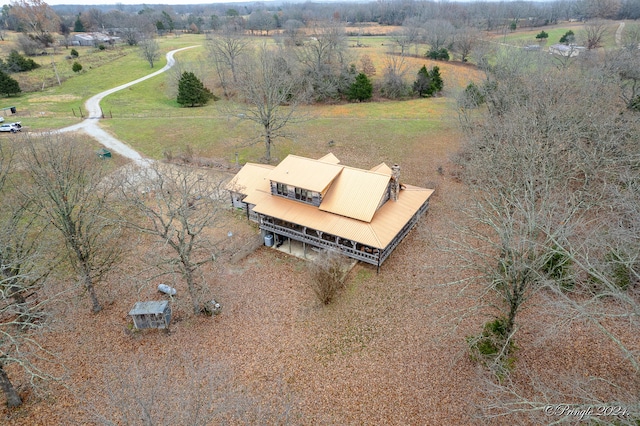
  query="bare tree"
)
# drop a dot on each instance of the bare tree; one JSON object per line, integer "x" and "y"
{"x": 552, "y": 210}
{"x": 149, "y": 50}
{"x": 324, "y": 59}
{"x": 270, "y": 94}
{"x": 38, "y": 20}
{"x": 68, "y": 186}
{"x": 23, "y": 272}
{"x": 393, "y": 81}
{"x": 594, "y": 33}
{"x": 226, "y": 47}
{"x": 438, "y": 33}
{"x": 292, "y": 32}
{"x": 631, "y": 37}
{"x": 465, "y": 40}
{"x": 409, "y": 34}
{"x": 327, "y": 272}
{"x": 180, "y": 207}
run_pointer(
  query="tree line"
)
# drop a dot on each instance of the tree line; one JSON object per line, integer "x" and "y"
{"x": 550, "y": 154}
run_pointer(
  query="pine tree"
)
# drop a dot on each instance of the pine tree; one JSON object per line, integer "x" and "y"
{"x": 8, "y": 86}
{"x": 78, "y": 26}
{"x": 191, "y": 91}
{"x": 361, "y": 89}
{"x": 436, "y": 80}
{"x": 422, "y": 85}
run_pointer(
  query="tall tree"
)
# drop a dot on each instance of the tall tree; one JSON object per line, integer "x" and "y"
{"x": 226, "y": 47}
{"x": 551, "y": 201}
{"x": 324, "y": 60}
{"x": 270, "y": 94}
{"x": 23, "y": 272}
{"x": 68, "y": 186}
{"x": 37, "y": 18}
{"x": 179, "y": 207}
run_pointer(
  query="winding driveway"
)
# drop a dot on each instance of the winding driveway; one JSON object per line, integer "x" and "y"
{"x": 91, "y": 127}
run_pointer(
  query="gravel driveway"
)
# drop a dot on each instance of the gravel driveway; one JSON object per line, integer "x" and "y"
{"x": 91, "y": 126}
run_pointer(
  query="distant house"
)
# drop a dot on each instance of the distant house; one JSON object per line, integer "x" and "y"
{"x": 363, "y": 214}
{"x": 567, "y": 50}
{"x": 93, "y": 39}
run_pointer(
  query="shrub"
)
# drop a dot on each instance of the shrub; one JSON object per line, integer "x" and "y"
{"x": 493, "y": 348}
{"x": 17, "y": 63}
{"x": 76, "y": 67}
{"x": 74, "y": 53}
{"x": 557, "y": 267}
{"x": 101, "y": 47}
{"x": 438, "y": 55}
{"x": 542, "y": 35}
{"x": 568, "y": 37}
{"x": 327, "y": 273}
{"x": 472, "y": 97}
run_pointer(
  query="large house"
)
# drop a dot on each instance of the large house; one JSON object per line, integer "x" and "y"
{"x": 363, "y": 214}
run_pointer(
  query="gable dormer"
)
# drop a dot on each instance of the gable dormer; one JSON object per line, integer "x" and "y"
{"x": 303, "y": 179}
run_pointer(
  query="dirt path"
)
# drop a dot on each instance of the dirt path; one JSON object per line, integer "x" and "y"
{"x": 619, "y": 34}
{"x": 91, "y": 126}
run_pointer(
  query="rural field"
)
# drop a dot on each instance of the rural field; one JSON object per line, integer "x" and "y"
{"x": 390, "y": 349}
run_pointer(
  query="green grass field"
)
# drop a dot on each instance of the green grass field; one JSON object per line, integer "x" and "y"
{"x": 147, "y": 116}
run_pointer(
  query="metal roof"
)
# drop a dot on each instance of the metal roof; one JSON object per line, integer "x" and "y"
{"x": 355, "y": 193}
{"x": 382, "y": 168}
{"x": 329, "y": 158}
{"x": 387, "y": 222}
{"x": 350, "y": 207}
{"x": 251, "y": 177}
{"x": 154, "y": 307}
{"x": 305, "y": 173}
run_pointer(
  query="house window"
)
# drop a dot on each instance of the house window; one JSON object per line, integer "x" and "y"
{"x": 281, "y": 189}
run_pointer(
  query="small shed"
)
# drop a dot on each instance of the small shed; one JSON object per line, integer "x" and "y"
{"x": 155, "y": 314}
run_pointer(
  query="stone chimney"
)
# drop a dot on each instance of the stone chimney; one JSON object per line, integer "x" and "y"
{"x": 394, "y": 185}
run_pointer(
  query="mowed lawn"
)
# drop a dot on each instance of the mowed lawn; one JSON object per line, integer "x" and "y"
{"x": 147, "y": 117}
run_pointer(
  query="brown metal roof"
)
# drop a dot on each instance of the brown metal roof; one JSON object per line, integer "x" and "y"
{"x": 382, "y": 168}
{"x": 355, "y": 193}
{"x": 385, "y": 225}
{"x": 348, "y": 209}
{"x": 250, "y": 178}
{"x": 329, "y": 158}
{"x": 305, "y": 173}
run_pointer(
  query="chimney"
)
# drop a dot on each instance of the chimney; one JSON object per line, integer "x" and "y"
{"x": 394, "y": 185}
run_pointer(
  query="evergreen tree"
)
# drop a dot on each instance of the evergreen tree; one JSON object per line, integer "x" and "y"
{"x": 191, "y": 91}
{"x": 78, "y": 26}
{"x": 422, "y": 85}
{"x": 8, "y": 86}
{"x": 76, "y": 67}
{"x": 361, "y": 89}
{"x": 568, "y": 37}
{"x": 436, "y": 80}
{"x": 18, "y": 63}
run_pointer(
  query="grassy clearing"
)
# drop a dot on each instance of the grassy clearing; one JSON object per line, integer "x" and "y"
{"x": 528, "y": 36}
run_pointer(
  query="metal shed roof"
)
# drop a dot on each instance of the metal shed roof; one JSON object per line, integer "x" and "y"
{"x": 154, "y": 307}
